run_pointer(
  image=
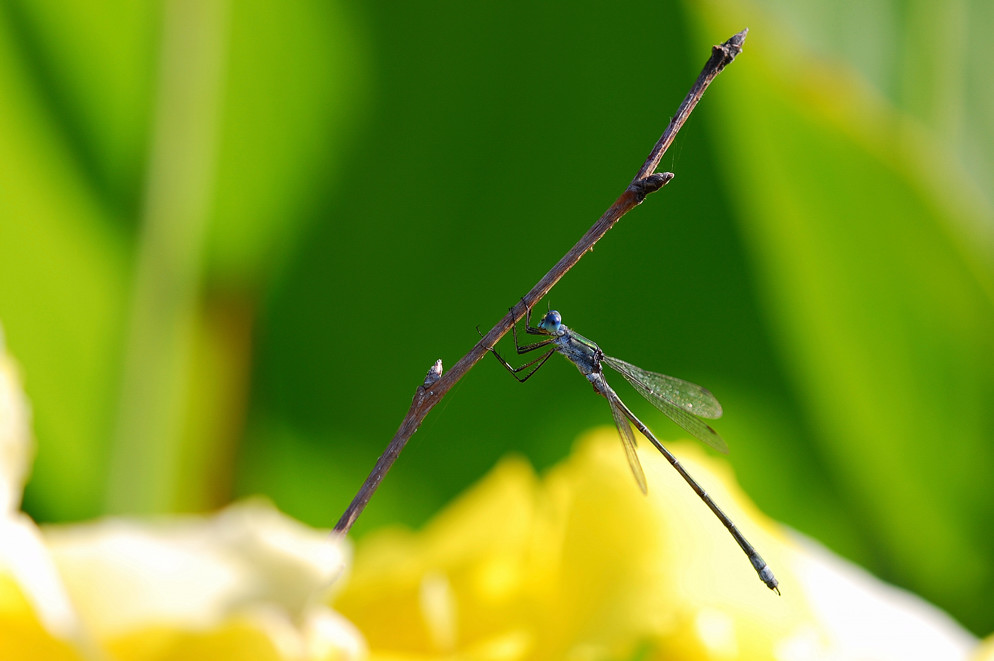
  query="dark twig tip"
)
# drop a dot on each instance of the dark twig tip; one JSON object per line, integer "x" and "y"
{"x": 731, "y": 48}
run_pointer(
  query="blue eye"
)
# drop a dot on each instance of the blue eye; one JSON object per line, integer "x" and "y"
{"x": 551, "y": 321}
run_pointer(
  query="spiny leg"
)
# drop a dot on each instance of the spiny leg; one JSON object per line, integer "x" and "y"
{"x": 538, "y": 362}
{"x": 521, "y": 349}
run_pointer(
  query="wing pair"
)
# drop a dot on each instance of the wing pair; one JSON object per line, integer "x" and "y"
{"x": 682, "y": 402}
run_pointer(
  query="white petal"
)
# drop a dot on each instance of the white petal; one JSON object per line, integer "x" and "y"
{"x": 16, "y": 444}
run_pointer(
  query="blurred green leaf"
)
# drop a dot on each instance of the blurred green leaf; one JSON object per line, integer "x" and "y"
{"x": 90, "y": 68}
{"x": 878, "y": 280}
{"x": 143, "y": 205}
{"x": 62, "y": 269}
{"x": 295, "y": 86}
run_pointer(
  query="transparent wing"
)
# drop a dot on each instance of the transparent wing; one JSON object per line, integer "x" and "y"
{"x": 628, "y": 441}
{"x": 682, "y": 402}
{"x": 676, "y": 392}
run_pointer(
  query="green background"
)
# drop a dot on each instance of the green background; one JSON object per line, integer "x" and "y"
{"x": 234, "y": 237}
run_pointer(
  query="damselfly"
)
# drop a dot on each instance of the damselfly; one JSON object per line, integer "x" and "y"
{"x": 682, "y": 402}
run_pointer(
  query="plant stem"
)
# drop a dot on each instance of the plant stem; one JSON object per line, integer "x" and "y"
{"x": 646, "y": 181}
{"x": 146, "y": 455}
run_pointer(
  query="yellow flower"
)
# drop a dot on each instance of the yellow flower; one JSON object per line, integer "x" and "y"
{"x": 575, "y": 565}
{"x": 579, "y": 565}
{"x": 247, "y": 583}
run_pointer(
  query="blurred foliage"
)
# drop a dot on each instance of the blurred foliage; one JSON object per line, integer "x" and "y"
{"x": 235, "y": 235}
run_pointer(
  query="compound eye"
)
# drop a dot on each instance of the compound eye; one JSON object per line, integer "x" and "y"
{"x": 551, "y": 321}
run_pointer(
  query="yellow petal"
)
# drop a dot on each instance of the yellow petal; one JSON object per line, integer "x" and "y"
{"x": 35, "y": 611}
{"x": 22, "y": 634}
{"x": 580, "y": 565}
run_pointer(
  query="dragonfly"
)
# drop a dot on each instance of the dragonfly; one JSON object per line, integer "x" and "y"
{"x": 687, "y": 404}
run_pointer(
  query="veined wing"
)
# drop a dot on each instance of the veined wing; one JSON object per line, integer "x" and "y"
{"x": 628, "y": 441}
{"x": 677, "y": 392}
{"x": 682, "y": 402}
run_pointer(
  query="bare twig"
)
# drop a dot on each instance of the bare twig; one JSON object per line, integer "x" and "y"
{"x": 436, "y": 385}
